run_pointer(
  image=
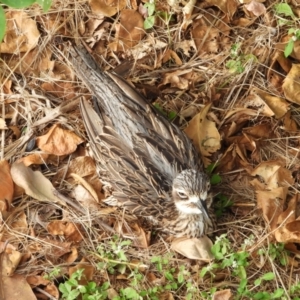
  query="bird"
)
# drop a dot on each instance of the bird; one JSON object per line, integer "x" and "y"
{"x": 151, "y": 167}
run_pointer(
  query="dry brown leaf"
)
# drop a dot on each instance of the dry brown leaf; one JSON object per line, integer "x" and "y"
{"x": 194, "y": 248}
{"x": 37, "y": 62}
{"x": 134, "y": 232}
{"x": 16, "y": 287}
{"x": 289, "y": 124}
{"x": 176, "y": 79}
{"x": 64, "y": 90}
{"x": 291, "y": 85}
{"x": 222, "y": 295}
{"x": 2, "y": 124}
{"x": 69, "y": 230}
{"x": 10, "y": 260}
{"x": 206, "y": 39}
{"x": 204, "y": 134}
{"x": 86, "y": 185}
{"x": 273, "y": 174}
{"x": 21, "y": 33}
{"x": 58, "y": 141}
{"x": 88, "y": 272}
{"x": 7, "y": 187}
{"x": 34, "y": 183}
{"x": 228, "y": 7}
{"x": 271, "y": 203}
{"x": 256, "y": 8}
{"x": 82, "y": 166}
{"x": 170, "y": 54}
{"x": 277, "y": 105}
{"x": 107, "y": 8}
{"x": 35, "y": 159}
{"x": 130, "y": 31}
{"x": 187, "y": 11}
{"x": 85, "y": 198}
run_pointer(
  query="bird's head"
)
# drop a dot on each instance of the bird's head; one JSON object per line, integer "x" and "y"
{"x": 190, "y": 193}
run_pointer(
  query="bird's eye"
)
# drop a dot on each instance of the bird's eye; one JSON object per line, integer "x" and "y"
{"x": 208, "y": 186}
{"x": 182, "y": 195}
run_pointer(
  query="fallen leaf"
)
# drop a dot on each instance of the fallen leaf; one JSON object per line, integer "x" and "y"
{"x": 276, "y": 104}
{"x": 273, "y": 174}
{"x": 130, "y": 31}
{"x": 222, "y": 295}
{"x": 204, "y": 134}
{"x": 71, "y": 231}
{"x": 228, "y": 7}
{"x": 21, "y": 33}
{"x": 291, "y": 85}
{"x": 34, "y": 183}
{"x": 16, "y": 287}
{"x": 271, "y": 203}
{"x": 2, "y": 124}
{"x": 7, "y": 187}
{"x": 107, "y": 8}
{"x": 256, "y": 8}
{"x": 194, "y": 248}
{"x": 88, "y": 272}
{"x": 58, "y": 141}
{"x": 35, "y": 159}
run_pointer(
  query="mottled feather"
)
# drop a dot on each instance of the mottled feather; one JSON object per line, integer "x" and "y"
{"x": 150, "y": 164}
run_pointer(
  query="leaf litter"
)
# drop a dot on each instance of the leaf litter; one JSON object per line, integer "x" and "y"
{"x": 243, "y": 116}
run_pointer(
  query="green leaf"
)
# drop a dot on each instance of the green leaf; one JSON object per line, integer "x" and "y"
{"x": 18, "y": 3}
{"x": 130, "y": 293}
{"x": 2, "y": 23}
{"x": 45, "y": 4}
{"x": 278, "y": 293}
{"x": 180, "y": 277}
{"x": 172, "y": 115}
{"x": 289, "y": 48}
{"x": 149, "y": 22}
{"x": 169, "y": 276}
{"x": 284, "y": 9}
{"x": 151, "y": 8}
{"x": 215, "y": 179}
{"x": 268, "y": 276}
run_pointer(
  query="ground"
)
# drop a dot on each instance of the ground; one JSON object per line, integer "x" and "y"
{"x": 227, "y": 73}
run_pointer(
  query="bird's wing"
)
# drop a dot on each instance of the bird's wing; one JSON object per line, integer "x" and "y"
{"x": 133, "y": 140}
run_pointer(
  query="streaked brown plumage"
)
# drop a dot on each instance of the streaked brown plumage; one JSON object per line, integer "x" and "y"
{"x": 151, "y": 165}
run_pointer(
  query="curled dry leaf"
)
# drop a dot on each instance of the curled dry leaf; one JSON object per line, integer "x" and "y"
{"x": 256, "y": 8}
{"x": 228, "y": 7}
{"x": 222, "y": 295}
{"x": 277, "y": 105}
{"x": 7, "y": 187}
{"x": 58, "y": 141}
{"x": 130, "y": 31}
{"x": 69, "y": 230}
{"x": 291, "y": 85}
{"x": 206, "y": 39}
{"x": 273, "y": 174}
{"x": 21, "y": 33}
{"x": 194, "y": 248}
{"x": 107, "y": 8}
{"x": 37, "y": 62}
{"x": 204, "y": 134}
{"x": 88, "y": 272}
{"x": 86, "y": 185}
{"x": 2, "y": 124}
{"x": 16, "y": 287}
{"x": 34, "y": 183}
{"x": 271, "y": 203}
{"x": 35, "y": 159}
{"x": 10, "y": 260}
